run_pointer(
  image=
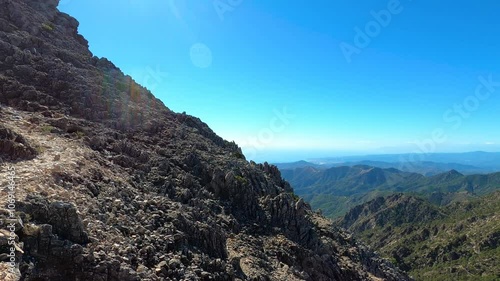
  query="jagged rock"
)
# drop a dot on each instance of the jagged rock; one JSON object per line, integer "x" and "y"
{"x": 14, "y": 147}
{"x": 61, "y": 216}
{"x": 149, "y": 194}
{"x": 491, "y": 242}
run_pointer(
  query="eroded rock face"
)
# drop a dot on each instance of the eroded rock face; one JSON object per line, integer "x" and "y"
{"x": 14, "y": 147}
{"x": 61, "y": 216}
{"x": 148, "y": 194}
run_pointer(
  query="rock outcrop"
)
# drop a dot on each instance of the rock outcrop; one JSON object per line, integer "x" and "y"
{"x": 121, "y": 188}
{"x": 14, "y": 146}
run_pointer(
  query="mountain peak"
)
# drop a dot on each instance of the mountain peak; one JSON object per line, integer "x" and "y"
{"x": 455, "y": 172}
{"x": 447, "y": 176}
{"x": 115, "y": 186}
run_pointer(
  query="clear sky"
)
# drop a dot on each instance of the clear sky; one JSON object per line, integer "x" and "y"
{"x": 296, "y": 79}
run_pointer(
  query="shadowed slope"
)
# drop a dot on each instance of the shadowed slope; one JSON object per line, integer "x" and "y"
{"x": 122, "y": 188}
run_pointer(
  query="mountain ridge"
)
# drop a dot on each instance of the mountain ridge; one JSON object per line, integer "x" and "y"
{"x": 455, "y": 242}
{"x": 426, "y": 168}
{"x": 348, "y": 186}
{"x": 112, "y": 185}
{"x": 486, "y": 161}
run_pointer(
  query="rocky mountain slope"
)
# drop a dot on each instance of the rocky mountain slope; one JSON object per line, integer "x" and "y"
{"x": 336, "y": 190}
{"x": 456, "y": 242}
{"x": 112, "y": 185}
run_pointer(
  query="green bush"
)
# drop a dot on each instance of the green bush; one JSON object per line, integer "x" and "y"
{"x": 47, "y": 129}
{"x": 241, "y": 180}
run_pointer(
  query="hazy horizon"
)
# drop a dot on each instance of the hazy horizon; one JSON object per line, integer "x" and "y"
{"x": 323, "y": 76}
{"x": 273, "y": 156}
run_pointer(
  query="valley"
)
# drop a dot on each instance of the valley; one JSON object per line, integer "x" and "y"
{"x": 460, "y": 241}
{"x": 444, "y": 226}
{"x": 336, "y": 189}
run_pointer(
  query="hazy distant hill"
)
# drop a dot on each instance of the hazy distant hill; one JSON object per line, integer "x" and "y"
{"x": 426, "y": 168}
{"x": 335, "y": 190}
{"x": 468, "y": 162}
{"x": 346, "y": 180}
{"x": 456, "y": 242}
{"x": 299, "y": 164}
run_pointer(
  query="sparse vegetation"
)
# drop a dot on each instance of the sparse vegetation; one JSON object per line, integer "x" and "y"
{"x": 48, "y": 26}
{"x": 40, "y": 149}
{"x": 79, "y": 134}
{"x": 31, "y": 229}
{"x": 241, "y": 180}
{"x": 338, "y": 189}
{"x": 459, "y": 242}
{"x": 295, "y": 197}
{"x": 47, "y": 129}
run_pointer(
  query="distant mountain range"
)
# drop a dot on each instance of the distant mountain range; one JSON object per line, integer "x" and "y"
{"x": 335, "y": 190}
{"x": 426, "y": 168}
{"x": 436, "y": 219}
{"x": 466, "y": 163}
{"x": 428, "y": 165}
{"x": 455, "y": 242}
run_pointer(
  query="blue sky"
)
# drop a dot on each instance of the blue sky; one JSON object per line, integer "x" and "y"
{"x": 294, "y": 79}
